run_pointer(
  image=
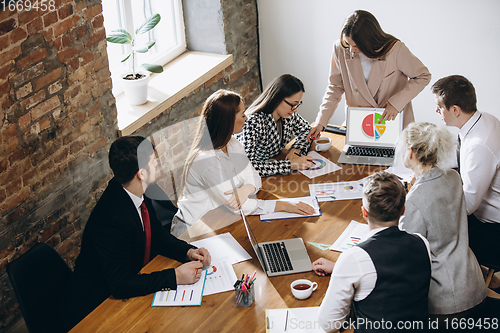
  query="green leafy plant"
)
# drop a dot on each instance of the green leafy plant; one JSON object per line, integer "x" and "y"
{"x": 121, "y": 36}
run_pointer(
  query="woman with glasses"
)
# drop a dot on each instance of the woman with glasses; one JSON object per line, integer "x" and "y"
{"x": 373, "y": 69}
{"x": 273, "y": 122}
{"x": 435, "y": 208}
{"x": 218, "y": 172}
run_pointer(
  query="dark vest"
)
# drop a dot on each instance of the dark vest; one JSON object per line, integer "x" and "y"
{"x": 402, "y": 288}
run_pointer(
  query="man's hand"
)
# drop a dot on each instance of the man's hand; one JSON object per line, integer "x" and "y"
{"x": 188, "y": 273}
{"x": 323, "y": 266}
{"x": 200, "y": 255}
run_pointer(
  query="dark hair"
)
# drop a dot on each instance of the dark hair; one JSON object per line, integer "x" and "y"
{"x": 127, "y": 155}
{"x": 216, "y": 125}
{"x": 363, "y": 28}
{"x": 282, "y": 87}
{"x": 456, "y": 90}
{"x": 384, "y": 197}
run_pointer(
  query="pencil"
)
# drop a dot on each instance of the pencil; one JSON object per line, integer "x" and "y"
{"x": 184, "y": 293}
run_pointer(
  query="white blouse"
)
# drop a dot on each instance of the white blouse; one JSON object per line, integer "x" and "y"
{"x": 213, "y": 173}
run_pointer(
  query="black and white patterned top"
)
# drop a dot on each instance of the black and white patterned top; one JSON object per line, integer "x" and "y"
{"x": 262, "y": 141}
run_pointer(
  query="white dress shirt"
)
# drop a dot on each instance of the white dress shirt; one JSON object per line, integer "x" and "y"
{"x": 353, "y": 278}
{"x": 480, "y": 166}
{"x": 137, "y": 203}
{"x": 213, "y": 173}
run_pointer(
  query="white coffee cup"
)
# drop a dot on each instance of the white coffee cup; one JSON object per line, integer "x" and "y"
{"x": 323, "y": 143}
{"x": 303, "y": 288}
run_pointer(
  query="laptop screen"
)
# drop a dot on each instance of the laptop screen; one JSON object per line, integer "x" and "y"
{"x": 253, "y": 241}
{"x": 366, "y": 127}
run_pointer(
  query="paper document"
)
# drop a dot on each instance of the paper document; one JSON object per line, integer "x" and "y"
{"x": 224, "y": 246}
{"x": 185, "y": 295}
{"x": 403, "y": 174}
{"x": 220, "y": 277}
{"x": 354, "y": 234}
{"x": 293, "y": 320}
{"x": 337, "y": 191}
{"x": 312, "y": 201}
{"x": 321, "y": 166}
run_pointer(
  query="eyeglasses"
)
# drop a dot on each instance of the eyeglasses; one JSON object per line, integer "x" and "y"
{"x": 294, "y": 107}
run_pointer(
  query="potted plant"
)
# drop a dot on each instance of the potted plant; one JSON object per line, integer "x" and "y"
{"x": 135, "y": 83}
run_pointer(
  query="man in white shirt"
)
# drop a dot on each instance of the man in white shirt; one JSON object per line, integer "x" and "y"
{"x": 478, "y": 160}
{"x": 386, "y": 278}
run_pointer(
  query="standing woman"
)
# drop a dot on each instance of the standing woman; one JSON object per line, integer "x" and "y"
{"x": 272, "y": 124}
{"x": 435, "y": 208}
{"x": 373, "y": 69}
{"x": 217, "y": 170}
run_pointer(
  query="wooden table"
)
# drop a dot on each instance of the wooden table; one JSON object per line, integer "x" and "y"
{"x": 218, "y": 313}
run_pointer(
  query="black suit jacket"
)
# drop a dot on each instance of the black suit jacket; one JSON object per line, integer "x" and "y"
{"x": 112, "y": 254}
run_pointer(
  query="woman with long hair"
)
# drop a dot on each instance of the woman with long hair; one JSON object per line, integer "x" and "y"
{"x": 435, "y": 208}
{"x": 272, "y": 124}
{"x": 218, "y": 172}
{"x": 373, "y": 69}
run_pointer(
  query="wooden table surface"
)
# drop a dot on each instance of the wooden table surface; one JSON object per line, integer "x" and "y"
{"x": 218, "y": 313}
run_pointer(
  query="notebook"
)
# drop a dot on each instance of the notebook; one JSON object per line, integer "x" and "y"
{"x": 370, "y": 139}
{"x": 281, "y": 257}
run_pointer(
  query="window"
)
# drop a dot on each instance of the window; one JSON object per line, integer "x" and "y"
{"x": 128, "y": 15}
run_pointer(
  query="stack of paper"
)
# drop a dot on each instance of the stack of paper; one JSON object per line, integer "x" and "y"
{"x": 354, "y": 234}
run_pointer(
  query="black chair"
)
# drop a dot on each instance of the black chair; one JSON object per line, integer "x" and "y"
{"x": 40, "y": 277}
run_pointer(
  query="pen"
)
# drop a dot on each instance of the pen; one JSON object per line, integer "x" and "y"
{"x": 196, "y": 272}
{"x": 184, "y": 293}
{"x": 300, "y": 156}
{"x": 286, "y": 319}
{"x": 190, "y": 298}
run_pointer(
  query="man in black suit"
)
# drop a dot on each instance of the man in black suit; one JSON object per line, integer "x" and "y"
{"x": 116, "y": 245}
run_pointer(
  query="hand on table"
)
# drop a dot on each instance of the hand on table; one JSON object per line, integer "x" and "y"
{"x": 239, "y": 196}
{"x": 315, "y": 133}
{"x": 300, "y": 162}
{"x": 299, "y": 208}
{"x": 188, "y": 273}
{"x": 200, "y": 255}
{"x": 390, "y": 112}
{"x": 323, "y": 266}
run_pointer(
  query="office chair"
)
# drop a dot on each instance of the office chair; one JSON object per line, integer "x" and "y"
{"x": 39, "y": 278}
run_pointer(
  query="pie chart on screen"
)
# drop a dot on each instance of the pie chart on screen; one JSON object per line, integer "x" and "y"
{"x": 373, "y": 125}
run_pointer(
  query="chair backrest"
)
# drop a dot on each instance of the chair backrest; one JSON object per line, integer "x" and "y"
{"x": 39, "y": 278}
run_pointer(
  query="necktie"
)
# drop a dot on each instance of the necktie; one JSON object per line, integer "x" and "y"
{"x": 458, "y": 152}
{"x": 147, "y": 231}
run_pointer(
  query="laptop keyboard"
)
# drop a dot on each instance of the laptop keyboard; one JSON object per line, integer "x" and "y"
{"x": 370, "y": 151}
{"x": 277, "y": 257}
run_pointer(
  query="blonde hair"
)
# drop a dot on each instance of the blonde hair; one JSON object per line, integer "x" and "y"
{"x": 431, "y": 145}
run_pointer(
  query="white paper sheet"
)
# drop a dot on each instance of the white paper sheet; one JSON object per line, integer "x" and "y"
{"x": 403, "y": 174}
{"x": 303, "y": 320}
{"x": 312, "y": 201}
{"x": 224, "y": 246}
{"x": 220, "y": 277}
{"x": 354, "y": 234}
{"x": 185, "y": 295}
{"x": 321, "y": 167}
{"x": 337, "y": 191}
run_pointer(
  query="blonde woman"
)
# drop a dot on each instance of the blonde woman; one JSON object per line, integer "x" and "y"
{"x": 435, "y": 208}
{"x": 218, "y": 172}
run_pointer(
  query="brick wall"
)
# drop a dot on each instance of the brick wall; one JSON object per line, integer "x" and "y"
{"x": 58, "y": 118}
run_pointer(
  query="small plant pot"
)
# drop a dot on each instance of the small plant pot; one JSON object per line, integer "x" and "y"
{"x": 136, "y": 90}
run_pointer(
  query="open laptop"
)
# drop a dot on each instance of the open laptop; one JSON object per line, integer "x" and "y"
{"x": 370, "y": 139}
{"x": 280, "y": 257}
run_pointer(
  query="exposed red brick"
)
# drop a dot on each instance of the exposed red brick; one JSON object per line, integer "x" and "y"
{"x": 45, "y": 107}
{"x": 17, "y": 214}
{"x": 2, "y": 195}
{"x": 81, "y": 31}
{"x": 14, "y": 200}
{"x": 32, "y": 58}
{"x": 58, "y": 43}
{"x": 65, "y": 11}
{"x": 236, "y": 75}
{"x": 50, "y": 18}
{"x": 17, "y": 35}
{"x": 7, "y": 26}
{"x": 28, "y": 74}
{"x": 28, "y": 176}
{"x": 69, "y": 53}
{"x": 98, "y": 22}
{"x": 27, "y": 16}
{"x": 213, "y": 80}
{"x": 14, "y": 186}
{"x": 87, "y": 57}
{"x": 10, "y": 55}
{"x": 4, "y": 14}
{"x": 4, "y": 42}
{"x": 4, "y": 71}
{"x": 34, "y": 26}
{"x": 48, "y": 34}
{"x": 24, "y": 91}
{"x": 66, "y": 41}
{"x": 66, "y": 25}
{"x": 99, "y": 144}
{"x": 98, "y": 36}
{"x": 17, "y": 156}
{"x": 76, "y": 146}
{"x": 60, "y": 156}
{"x": 24, "y": 120}
{"x": 33, "y": 100}
{"x": 46, "y": 79}
{"x": 11, "y": 145}
{"x": 92, "y": 11}
{"x": 44, "y": 123}
{"x": 74, "y": 63}
{"x": 55, "y": 87}
{"x": 9, "y": 132}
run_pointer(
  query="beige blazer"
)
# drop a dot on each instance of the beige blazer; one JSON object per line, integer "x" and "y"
{"x": 396, "y": 78}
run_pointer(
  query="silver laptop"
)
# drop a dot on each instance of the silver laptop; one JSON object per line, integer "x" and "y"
{"x": 370, "y": 139}
{"x": 280, "y": 257}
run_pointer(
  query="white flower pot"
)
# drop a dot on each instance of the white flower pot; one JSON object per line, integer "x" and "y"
{"x": 136, "y": 91}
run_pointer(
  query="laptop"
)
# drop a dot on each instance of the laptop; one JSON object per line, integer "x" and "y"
{"x": 370, "y": 139}
{"x": 282, "y": 257}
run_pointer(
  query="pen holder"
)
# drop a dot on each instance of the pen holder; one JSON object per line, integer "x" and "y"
{"x": 244, "y": 297}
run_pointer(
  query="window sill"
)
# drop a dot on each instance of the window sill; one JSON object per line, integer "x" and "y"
{"x": 180, "y": 77}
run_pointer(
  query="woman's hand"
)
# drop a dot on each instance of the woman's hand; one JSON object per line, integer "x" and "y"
{"x": 298, "y": 208}
{"x": 300, "y": 162}
{"x": 323, "y": 266}
{"x": 239, "y": 196}
{"x": 390, "y": 112}
{"x": 315, "y": 133}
